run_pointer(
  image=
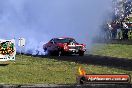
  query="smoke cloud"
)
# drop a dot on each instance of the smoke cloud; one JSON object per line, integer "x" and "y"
{"x": 40, "y": 20}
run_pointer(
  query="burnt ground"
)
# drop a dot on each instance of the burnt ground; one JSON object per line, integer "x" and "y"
{"x": 120, "y": 63}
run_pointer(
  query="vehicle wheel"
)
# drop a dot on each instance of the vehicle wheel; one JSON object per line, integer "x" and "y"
{"x": 47, "y": 52}
{"x": 59, "y": 53}
{"x": 81, "y": 53}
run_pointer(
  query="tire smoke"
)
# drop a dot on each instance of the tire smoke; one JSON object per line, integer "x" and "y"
{"x": 40, "y": 20}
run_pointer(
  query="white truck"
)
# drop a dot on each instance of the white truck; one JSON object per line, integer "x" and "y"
{"x": 7, "y": 51}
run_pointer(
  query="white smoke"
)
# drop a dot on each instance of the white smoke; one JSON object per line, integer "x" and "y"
{"x": 40, "y": 20}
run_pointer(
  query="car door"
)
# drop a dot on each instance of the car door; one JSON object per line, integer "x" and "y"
{"x": 52, "y": 45}
{"x": 49, "y": 45}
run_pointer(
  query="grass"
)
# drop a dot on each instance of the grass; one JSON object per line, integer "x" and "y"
{"x": 31, "y": 70}
{"x": 130, "y": 19}
{"x": 37, "y": 70}
{"x": 113, "y": 50}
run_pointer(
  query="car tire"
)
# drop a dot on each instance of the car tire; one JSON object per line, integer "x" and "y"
{"x": 81, "y": 53}
{"x": 59, "y": 53}
{"x": 47, "y": 52}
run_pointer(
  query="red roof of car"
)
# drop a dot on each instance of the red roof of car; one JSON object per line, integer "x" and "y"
{"x": 65, "y": 37}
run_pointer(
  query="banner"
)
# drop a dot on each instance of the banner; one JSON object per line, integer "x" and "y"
{"x": 7, "y": 50}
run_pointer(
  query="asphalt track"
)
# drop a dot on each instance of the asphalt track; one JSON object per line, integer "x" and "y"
{"x": 67, "y": 86}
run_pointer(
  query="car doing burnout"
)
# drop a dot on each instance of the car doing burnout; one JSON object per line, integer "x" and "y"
{"x": 62, "y": 46}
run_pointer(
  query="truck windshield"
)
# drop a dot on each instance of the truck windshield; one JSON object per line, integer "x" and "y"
{"x": 65, "y": 40}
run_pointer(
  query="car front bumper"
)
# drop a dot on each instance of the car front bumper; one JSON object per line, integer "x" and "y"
{"x": 75, "y": 50}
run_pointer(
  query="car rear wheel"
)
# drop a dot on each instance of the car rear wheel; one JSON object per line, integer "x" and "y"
{"x": 59, "y": 53}
{"x": 56, "y": 53}
{"x": 47, "y": 52}
{"x": 81, "y": 53}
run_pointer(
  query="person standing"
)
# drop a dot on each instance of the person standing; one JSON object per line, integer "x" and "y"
{"x": 125, "y": 31}
{"x": 109, "y": 30}
{"x": 130, "y": 34}
{"x": 119, "y": 32}
{"x": 114, "y": 30}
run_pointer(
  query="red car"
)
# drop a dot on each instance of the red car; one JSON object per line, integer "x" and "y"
{"x": 64, "y": 45}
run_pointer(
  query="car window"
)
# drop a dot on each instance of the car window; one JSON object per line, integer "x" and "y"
{"x": 65, "y": 40}
{"x": 51, "y": 41}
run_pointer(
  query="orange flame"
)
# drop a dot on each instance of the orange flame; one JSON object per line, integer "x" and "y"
{"x": 81, "y": 71}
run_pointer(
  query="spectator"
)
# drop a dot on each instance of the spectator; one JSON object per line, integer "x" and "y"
{"x": 114, "y": 30}
{"x": 119, "y": 32}
{"x": 125, "y": 31}
{"x": 109, "y": 30}
{"x": 130, "y": 34}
